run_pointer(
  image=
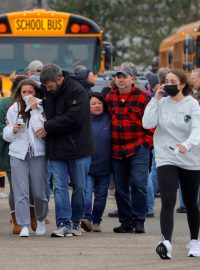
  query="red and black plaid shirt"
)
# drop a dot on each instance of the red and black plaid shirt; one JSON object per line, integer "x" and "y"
{"x": 126, "y": 117}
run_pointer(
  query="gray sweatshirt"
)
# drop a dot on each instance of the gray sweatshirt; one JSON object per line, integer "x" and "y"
{"x": 175, "y": 123}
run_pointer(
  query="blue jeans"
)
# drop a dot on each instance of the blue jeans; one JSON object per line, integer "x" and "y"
{"x": 152, "y": 186}
{"x": 98, "y": 184}
{"x": 150, "y": 195}
{"x": 130, "y": 177}
{"x": 48, "y": 191}
{"x": 77, "y": 169}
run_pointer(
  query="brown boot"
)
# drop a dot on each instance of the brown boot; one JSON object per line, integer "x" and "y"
{"x": 16, "y": 228}
{"x": 33, "y": 218}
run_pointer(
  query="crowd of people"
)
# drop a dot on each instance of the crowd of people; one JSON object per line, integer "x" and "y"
{"x": 144, "y": 141}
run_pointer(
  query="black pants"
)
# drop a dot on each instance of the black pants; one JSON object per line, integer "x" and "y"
{"x": 2, "y": 182}
{"x": 168, "y": 178}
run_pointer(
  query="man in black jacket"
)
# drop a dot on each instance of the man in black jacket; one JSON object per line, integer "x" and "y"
{"x": 68, "y": 145}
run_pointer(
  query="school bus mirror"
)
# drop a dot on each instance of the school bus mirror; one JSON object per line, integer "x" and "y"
{"x": 189, "y": 46}
{"x": 187, "y": 66}
{"x": 109, "y": 56}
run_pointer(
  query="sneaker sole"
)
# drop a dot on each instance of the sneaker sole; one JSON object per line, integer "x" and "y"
{"x": 131, "y": 231}
{"x": 61, "y": 235}
{"x": 77, "y": 234}
{"x": 139, "y": 231}
{"x": 193, "y": 255}
{"x": 40, "y": 233}
{"x": 161, "y": 250}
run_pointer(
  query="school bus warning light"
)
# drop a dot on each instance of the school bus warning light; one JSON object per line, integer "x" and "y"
{"x": 3, "y": 28}
{"x": 79, "y": 28}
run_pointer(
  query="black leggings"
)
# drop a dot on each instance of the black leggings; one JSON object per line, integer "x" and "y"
{"x": 168, "y": 178}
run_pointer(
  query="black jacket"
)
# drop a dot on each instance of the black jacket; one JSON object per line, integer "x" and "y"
{"x": 68, "y": 126}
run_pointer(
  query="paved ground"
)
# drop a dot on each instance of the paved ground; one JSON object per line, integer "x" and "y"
{"x": 99, "y": 251}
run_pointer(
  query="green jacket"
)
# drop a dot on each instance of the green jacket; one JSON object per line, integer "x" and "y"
{"x": 4, "y": 146}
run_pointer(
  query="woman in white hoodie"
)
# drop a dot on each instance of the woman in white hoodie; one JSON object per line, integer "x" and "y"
{"x": 177, "y": 147}
{"x": 27, "y": 155}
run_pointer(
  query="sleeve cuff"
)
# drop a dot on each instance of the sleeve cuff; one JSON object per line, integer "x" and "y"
{"x": 187, "y": 145}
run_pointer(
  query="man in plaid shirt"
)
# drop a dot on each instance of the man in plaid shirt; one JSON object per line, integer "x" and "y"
{"x": 130, "y": 151}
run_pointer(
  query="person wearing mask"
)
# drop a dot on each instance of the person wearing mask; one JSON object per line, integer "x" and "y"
{"x": 27, "y": 156}
{"x": 130, "y": 151}
{"x": 98, "y": 178}
{"x": 177, "y": 146}
{"x": 69, "y": 145}
{"x": 34, "y": 70}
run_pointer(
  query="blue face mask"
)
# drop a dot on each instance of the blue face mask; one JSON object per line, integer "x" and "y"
{"x": 172, "y": 90}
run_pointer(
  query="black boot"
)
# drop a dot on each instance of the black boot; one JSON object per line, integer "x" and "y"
{"x": 123, "y": 228}
{"x": 138, "y": 226}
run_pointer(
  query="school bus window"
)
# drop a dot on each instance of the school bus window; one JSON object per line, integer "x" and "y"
{"x": 6, "y": 51}
{"x": 97, "y": 56}
{"x": 36, "y": 51}
{"x": 78, "y": 54}
{"x": 26, "y": 49}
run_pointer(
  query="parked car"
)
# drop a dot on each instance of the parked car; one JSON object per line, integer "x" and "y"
{"x": 100, "y": 83}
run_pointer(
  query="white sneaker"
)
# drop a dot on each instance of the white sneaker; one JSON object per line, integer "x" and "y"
{"x": 24, "y": 232}
{"x": 194, "y": 248}
{"x": 62, "y": 231}
{"x": 76, "y": 230}
{"x": 41, "y": 229}
{"x": 164, "y": 249}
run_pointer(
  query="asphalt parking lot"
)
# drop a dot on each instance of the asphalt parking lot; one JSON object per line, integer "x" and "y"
{"x": 93, "y": 251}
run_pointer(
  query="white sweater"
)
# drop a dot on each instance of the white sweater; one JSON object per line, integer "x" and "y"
{"x": 20, "y": 142}
{"x": 175, "y": 122}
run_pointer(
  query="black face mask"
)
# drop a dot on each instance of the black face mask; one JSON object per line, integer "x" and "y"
{"x": 171, "y": 90}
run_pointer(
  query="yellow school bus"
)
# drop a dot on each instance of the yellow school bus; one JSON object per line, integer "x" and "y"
{"x": 182, "y": 49}
{"x": 62, "y": 38}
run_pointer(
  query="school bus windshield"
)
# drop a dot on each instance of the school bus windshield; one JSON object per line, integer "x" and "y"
{"x": 17, "y": 52}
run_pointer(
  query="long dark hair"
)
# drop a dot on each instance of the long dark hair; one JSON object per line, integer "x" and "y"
{"x": 15, "y": 83}
{"x": 183, "y": 77}
{"x": 18, "y": 97}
